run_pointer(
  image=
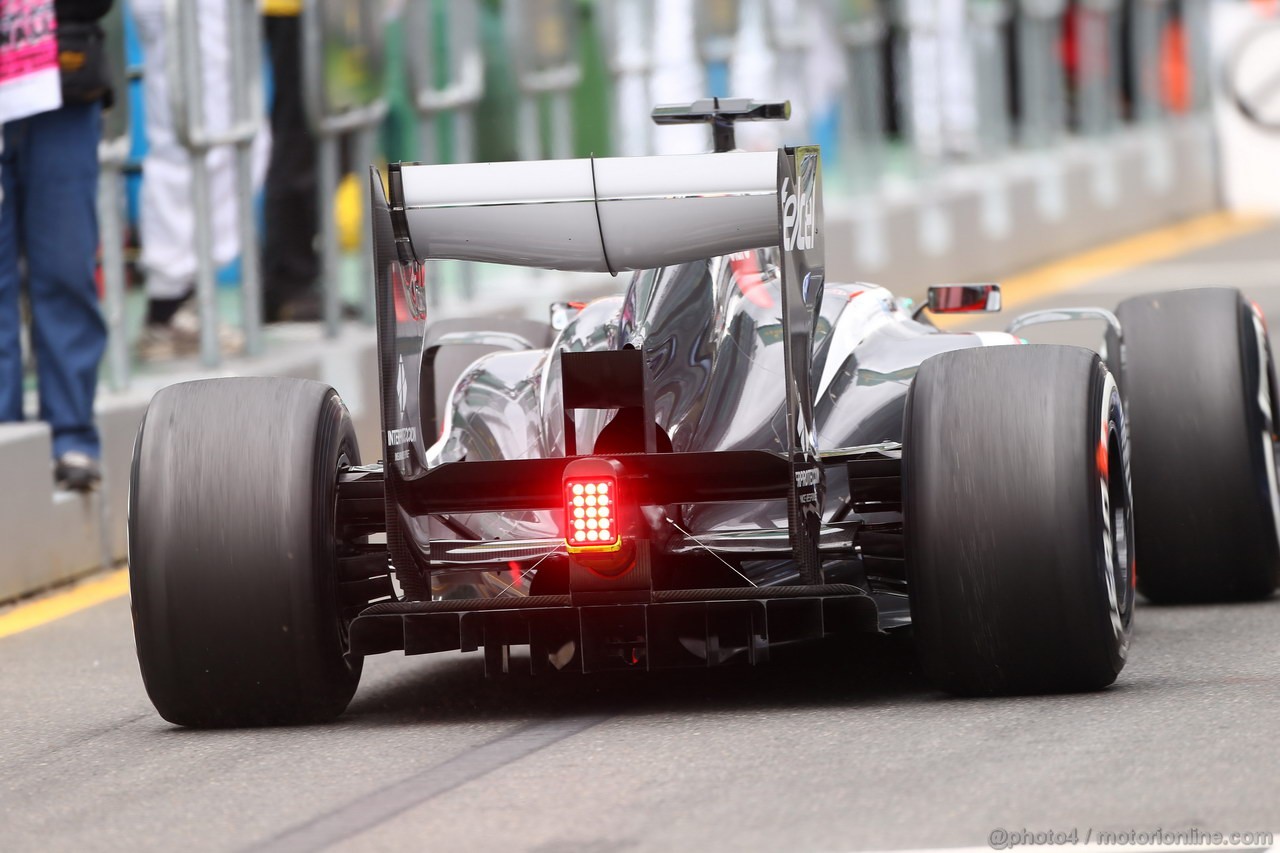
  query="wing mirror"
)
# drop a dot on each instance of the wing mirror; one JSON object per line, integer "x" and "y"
{"x": 963, "y": 298}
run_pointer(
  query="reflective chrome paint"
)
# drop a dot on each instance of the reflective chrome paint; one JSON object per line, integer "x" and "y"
{"x": 714, "y": 352}
{"x": 1065, "y": 315}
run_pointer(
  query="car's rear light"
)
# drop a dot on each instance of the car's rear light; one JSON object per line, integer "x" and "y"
{"x": 591, "y": 514}
{"x": 599, "y": 532}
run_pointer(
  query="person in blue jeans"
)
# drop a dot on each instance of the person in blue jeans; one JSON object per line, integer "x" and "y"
{"x": 48, "y": 238}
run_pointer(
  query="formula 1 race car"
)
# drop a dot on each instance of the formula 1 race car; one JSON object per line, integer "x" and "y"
{"x": 733, "y": 455}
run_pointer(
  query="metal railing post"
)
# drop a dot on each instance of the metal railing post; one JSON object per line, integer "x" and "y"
{"x": 1196, "y": 24}
{"x": 716, "y": 28}
{"x": 1029, "y": 65}
{"x": 206, "y": 283}
{"x": 187, "y": 99}
{"x": 627, "y": 30}
{"x": 457, "y": 93}
{"x": 113, "y": 154}
{"x": 1042, "y": 93}
{"x": 1144, "y": 58}
{"x": 862, "y": 32}
{"x": 560, "y": 114}
{"x": 986, "y": 20}
{"x": 463, "y": 83}
{"x": 111, "y": 235}
{"x": 187, "y": 104}
{"x": 543, "y": 35}
{"x": 915, "y": 23}
{"x": 786, "y": 28}
{"x": 1096, "y": 87}
{"x": 365, "y": 149}
{"x": 353, "y": 30}
{"x": 245, "y": 28}
{"x": 327, "y": 167}
{"x": 529, "y": 128}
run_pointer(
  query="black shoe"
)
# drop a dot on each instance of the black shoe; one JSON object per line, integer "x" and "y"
{"x": 307, "y": 307}
{"x": 76, "y": 472}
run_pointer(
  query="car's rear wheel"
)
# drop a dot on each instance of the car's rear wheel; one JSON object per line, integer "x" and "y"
{"x": 232, "y": 552}
{"x": 1018, "y": 520}
{"x": 1199, "y": 388}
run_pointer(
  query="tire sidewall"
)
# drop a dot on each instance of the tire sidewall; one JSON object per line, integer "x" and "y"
{"x": 1260, "y": 402}
{"x": 232, "y": 515}
{"x": 1116, "y": 556}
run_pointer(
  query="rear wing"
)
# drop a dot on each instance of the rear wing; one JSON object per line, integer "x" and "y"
{"x": 602, "y": 215}
{"x": 597, "y": 215}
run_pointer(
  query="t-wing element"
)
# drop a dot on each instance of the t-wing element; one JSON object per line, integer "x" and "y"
{"x": 595, "y": 215}
{"x": 722, "y": 114}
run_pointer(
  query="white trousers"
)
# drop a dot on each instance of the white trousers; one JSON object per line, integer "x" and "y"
{"x": 167, "y": 218}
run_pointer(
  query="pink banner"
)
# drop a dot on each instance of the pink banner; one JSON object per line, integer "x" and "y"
{"x": 29, "y": 80}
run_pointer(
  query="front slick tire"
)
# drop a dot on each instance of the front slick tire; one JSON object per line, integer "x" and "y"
{"x": 231, "y": 552}
{"x": 1018, "y": 521}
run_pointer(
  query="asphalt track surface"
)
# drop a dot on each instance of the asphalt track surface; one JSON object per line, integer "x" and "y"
{"x": 847, "y": 749}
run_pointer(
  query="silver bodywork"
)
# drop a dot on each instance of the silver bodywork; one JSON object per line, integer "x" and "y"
{"x": 604, "y": 215}
{"x": 712, "y": 334}
{"x": 722, "y": 244}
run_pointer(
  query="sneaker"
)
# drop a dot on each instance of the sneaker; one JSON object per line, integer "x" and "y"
{"x": 180, "y": 337}
{"x": 76, "y": 472}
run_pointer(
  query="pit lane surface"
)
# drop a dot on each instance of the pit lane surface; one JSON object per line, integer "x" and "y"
{"x": 848, "y": 749}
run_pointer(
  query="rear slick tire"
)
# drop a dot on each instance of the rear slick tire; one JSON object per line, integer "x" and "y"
{"x": 232, "y": 552}
{"x": 1018, "y": 521}
{"x": 1198, "y": 383}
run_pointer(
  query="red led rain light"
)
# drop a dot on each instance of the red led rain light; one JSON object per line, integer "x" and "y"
{"x": 591, "y": 515}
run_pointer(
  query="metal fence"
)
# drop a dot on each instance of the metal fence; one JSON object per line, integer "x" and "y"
{"x": 343, "y": 52}
{"x": 923, "y": 85}
{"x": 447, "y": 83}
{"x": 244, "y": 40}
{"x": 543, "y": 37}
{"x": 113, "y": 155}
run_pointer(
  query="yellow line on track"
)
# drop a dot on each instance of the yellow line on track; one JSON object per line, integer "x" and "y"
{"x": 1119, "y": 257}
{"x": 1146, "y": 248}
{"x": 82, "y": 596}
